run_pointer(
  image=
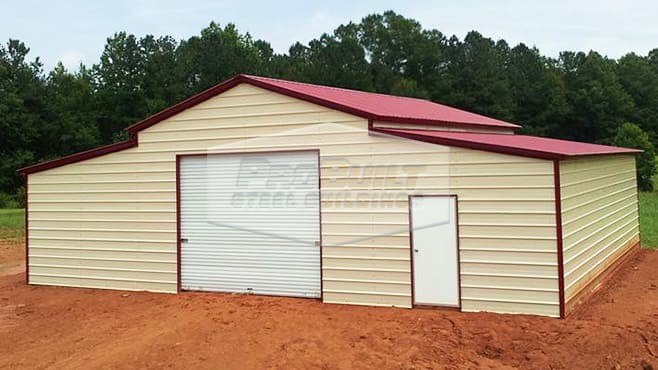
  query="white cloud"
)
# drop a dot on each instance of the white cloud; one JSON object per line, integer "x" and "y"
{"x": 71, "y": 59}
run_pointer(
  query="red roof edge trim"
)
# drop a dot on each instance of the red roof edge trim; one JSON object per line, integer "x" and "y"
{"x": 77, "y": 157}
{"x": 476, "y": 146}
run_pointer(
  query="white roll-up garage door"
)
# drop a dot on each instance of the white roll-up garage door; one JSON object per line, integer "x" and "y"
{"x": 250, "y": 223}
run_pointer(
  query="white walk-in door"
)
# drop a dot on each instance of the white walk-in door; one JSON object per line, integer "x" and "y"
{"x": 250, "y": 223}
{"x": 435, "y": 254}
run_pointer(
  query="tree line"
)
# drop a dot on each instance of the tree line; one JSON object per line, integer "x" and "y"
{"x": 579, "y": 96}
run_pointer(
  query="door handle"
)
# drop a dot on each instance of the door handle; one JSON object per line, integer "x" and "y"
{"x": 416, "y": 250}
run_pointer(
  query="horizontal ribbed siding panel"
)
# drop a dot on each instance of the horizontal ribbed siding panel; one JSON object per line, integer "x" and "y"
{"x": 96, "y": 243}
{"x": 368, "y": 251}
{"x": 81, "y": 255}
{"x": 511, "y": 219}
{"x": 510, "y": 282}
{"x": 225, "y": 132}
{"x": 511, "y": 294}
{"x": 402, "y": 276}
{"x": 159, "y": 237}
{"x": 600, "y": 219}
{"x": 494, "y": 268}
{"x": 100, "y": 224}
{"x": 103, "y": 282}
{"x": 580, "y": 223}
{"x": 105, "y": 196}
{"x": 384, "y": 287}
{"x": 505, "y": 202}
{"x": 347, "y": 262}
{"x": 97, "y": 188}
{"x": 114, "y": 273}
{"x": 363, "y": 297}
{"x": 94, "y": 259}
{"x": 537, "y": 308}
{"x": 544, "y": 257}
{"x": 420, "y": 184}
{"x": 102, "y": 206}
{"x": 98, "y": 214}
{"x": 484, "y": 243}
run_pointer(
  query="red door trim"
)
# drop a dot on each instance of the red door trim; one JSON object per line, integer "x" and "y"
{"x": 178, "y": 204}
{"x": 411, "y": 249}
{"x": 320, "y": 220}
{"x": 178, "y": 231}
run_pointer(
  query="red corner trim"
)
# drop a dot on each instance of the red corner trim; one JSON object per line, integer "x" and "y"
{"x": 558, "y": 228}
{"x": 27, "y": 230}
{"x": 77, "y": 157}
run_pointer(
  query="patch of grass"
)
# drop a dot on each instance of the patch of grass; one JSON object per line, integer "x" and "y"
{"x": 649, "y": 215}
{"x": 649, "y": 219}
{"x": 12, "y": 224}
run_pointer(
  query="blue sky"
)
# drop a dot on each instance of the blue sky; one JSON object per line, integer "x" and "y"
{"x": 75, "y": 31}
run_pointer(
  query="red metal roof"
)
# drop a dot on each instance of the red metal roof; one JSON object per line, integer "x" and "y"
{"x": 386, "y": 107}
{"x": 372, "y": 106}
{"x": 523, "y": 145}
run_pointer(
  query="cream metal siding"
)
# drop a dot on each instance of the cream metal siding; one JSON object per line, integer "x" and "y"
{"x": 599, "y": 216}
{"x": 507, "y": 233}
{"x": 110, "y": 221}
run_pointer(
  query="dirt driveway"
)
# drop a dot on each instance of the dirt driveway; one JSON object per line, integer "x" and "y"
{"x": 60, "y": 328}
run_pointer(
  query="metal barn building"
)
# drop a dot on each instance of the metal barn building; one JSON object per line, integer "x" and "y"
{"x": 274, "y": 187}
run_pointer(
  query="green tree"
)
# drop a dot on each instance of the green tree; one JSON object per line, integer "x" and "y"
{"x": 120, "y": 98}
{"x": 162, "y": 81}
{"x": 21, "y": 111}
{"x": 630, "y": 135}
{"x": 335, "y": 60}
{"x": 639, "y": 78}
{"x": 477, "y": 75}
{"x": 70, "y": 120}
{"x": 597, "y": 101}
{"x": 218, "y": 54}
{"x": 538, "y": 91}
{"x": 405, "y": 59}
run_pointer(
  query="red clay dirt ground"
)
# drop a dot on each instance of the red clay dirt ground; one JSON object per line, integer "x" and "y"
{"x": 68, "y": 328}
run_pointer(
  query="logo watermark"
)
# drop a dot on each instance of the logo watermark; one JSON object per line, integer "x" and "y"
{"x": 261, "y": 194}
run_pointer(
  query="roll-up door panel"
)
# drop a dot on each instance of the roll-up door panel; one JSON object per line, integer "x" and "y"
{"x": 250, "y": 223}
